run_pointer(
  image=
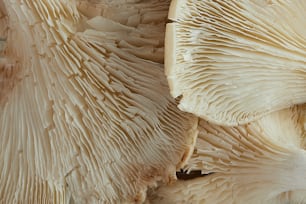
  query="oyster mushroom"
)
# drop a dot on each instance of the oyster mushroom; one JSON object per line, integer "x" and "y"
{"x": 261, "y": 162}
{"x": 233, "y": 62}
{"x": 84, "y": 117}
{"x": 149, "y": 17}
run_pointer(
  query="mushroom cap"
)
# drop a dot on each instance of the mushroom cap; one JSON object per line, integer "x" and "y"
{"x": 149, "y": 17}
{"x": 6, "y": 64}
{"x": 233, "y": 62}
{"x": 215, "y": 189}
{"x": 87, "y": 117}
{"x": 262, "y": 162}
{"x": 3, "y": 21}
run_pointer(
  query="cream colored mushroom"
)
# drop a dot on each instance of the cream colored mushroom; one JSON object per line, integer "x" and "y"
{"x": 149, "y": 17}
{"x": 262, "y": 162}
{"x": 234, "y": 61}
{"x": 3, "y": 21}
{"x": 86, "y": 116}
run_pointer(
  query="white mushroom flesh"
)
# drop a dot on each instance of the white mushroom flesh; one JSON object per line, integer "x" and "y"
{"x": 233, "y": 62}
{"x": 85, "y": 114}
{"x": 262, "y": 162}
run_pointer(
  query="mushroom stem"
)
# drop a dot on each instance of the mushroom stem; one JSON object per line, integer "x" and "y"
{"x": 296, "y": 168}
{"x": 286, "y": 174}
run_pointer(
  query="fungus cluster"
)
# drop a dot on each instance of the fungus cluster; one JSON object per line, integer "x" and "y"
{"x": 261, "y": 162}
{"x": 152, "y": 101}
{"x": 89, "y": 115}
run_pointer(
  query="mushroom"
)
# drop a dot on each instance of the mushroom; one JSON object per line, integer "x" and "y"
{"x": 261, "y": 162}
{"x": 3, "y": 21}
{"x": 5, "y": 63}
{"x": 149, "y": 17}
{"x": 233, "y": 62}
{"x": 85, "y": 117}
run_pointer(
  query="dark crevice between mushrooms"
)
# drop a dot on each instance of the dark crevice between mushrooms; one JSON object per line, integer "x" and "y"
{"x": 185, "y": 175}
{"x": 170, "y": 21}
{"x": 178, "y": 98}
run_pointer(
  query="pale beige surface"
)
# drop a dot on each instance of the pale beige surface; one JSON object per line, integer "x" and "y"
{"x": 88, "y": 114}
{"x": 148, "y": 16}
{"x": 262, "y": 162}
{"x": 3, "y": 21}
{"x": 233, "y": 62}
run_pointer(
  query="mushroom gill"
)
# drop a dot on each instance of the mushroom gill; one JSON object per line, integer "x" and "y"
{"x": 86, "y": 117}
{"x": 261, "y": 162}
{"x": 233, "y": 62}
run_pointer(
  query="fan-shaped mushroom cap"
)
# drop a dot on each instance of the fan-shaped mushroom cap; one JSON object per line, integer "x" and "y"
{"x": 235, "y": 61}
{"x": 86, "y": 115}
{"x": 262, "y": 162}
{"x": 6, "y": 64}
{"x": 149, "y": 17}
{"x": 133, "y": 13}
{"x": 3, "y": 21}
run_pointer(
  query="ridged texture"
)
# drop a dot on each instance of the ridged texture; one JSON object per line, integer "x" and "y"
{"x": 87, "y": 114}
{"x": 5, "y": 66}
{"x": 262, "y": 162}
{"x": 236, "y": 61}
{"x": 148, "y": 17}
{"x": 3, "y": 22}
